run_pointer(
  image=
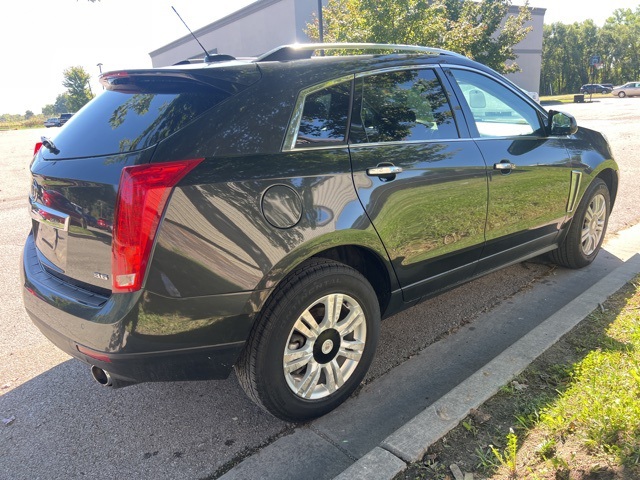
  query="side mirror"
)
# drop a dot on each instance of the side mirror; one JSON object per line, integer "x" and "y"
{"x": 562, "y": 123}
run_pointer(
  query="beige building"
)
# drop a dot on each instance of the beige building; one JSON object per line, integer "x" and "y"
{"x": 266, "y": 24}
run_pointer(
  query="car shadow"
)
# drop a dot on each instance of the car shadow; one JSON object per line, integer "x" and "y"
{"x": 61, "y": 424}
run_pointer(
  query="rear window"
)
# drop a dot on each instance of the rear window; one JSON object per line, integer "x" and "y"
{"x": 129, "y": 119}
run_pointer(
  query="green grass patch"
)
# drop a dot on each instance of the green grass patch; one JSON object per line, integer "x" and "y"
{"x": 574, "y": 413}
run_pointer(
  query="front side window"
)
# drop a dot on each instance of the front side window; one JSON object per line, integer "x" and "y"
{"x": 407, "y": 105}
{"x": 324, "y": 117}
{"x": 496, "y": 110}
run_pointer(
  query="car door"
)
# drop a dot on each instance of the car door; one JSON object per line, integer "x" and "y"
{"x": 530, "y": 173}
{"x": 420, "y": 178}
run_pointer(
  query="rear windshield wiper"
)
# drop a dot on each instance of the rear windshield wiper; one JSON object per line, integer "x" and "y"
{"x": 47, "y": 142}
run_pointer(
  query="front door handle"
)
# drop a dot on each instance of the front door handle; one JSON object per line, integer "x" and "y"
{"x": 504, "y": 165}
{"x": 383, "y": 170}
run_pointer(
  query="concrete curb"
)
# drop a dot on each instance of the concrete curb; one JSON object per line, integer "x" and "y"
{"x": 411, "y": 441}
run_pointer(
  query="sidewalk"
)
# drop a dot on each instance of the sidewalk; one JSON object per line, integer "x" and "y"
{"x": 394, "y": 420}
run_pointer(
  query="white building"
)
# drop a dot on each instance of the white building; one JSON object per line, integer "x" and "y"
{"x": 266, "y": 24}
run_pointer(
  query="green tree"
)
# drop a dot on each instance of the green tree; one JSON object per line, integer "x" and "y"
{"x": 567, "y": 50}
{"x": 621, "y": 34}
{"x": 49, "y": 110}
{"x": 76, "y": 81}
{"x": 28, "y": 114}
{"x": 476, "y": 29}
{"x": 62, "y": 103}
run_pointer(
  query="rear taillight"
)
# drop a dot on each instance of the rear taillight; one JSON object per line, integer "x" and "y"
{"x": 142, "y": 197}
{"x": 37, "y": 148}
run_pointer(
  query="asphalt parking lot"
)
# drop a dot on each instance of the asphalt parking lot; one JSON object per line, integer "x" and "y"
{"x": 57, "y": 423}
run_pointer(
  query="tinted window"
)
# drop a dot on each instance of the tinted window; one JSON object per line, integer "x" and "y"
{"x": 496, "y": 110}
{"x": 128, "y": 120}
{"x": 324, "y": 118}
{"x": 408, "y": 105}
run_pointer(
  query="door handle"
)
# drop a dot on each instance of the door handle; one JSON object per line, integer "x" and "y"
{"x": 504, "y": 165}
{"x": 383, "y": 170}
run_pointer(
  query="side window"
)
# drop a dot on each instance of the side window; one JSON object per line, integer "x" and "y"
{"x": 496, "y": 110}
{"x": 407, "y": 105}
{"x": 324, "y": 117}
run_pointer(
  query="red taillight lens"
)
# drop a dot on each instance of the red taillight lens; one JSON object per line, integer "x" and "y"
{"x": 93, "y": 354}
{"x": 37, "y": 148}
{"x": 142, "y": 196}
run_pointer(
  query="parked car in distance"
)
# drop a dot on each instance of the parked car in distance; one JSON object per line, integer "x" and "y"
{"x": 265, "y": 214}
{"x": 64, "y": 118}
{"x": 52, "y": 122}
{"x": 627, "y": 90}
{"x": 594, "y": 88}
{"x": 607, "y": 85}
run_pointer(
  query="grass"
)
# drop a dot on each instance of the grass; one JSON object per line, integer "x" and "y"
{"x": 573, "y": 414}
{"x": 568, "y": 98}
{"x": 37, "y": 121}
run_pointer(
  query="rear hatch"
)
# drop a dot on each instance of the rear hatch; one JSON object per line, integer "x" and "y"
{"x": 76, "y": 174}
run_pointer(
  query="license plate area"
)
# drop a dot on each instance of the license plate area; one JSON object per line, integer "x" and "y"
{"x": 51, "y": 233}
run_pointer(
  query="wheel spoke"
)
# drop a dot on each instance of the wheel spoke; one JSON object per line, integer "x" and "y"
{"x": 599, "y": 207}
{"x": 588, "y": 242}
{"x": 354, "y": 319}
{"x": 588, "y": 215}
{"x": 307, "y": 326}
{"x": 310, "y": 379}
{"x": 351, "y": 349}
{"x": 333, "y": 375}
{"x": 295, "y": 359}
{"x": 333, "y": 307}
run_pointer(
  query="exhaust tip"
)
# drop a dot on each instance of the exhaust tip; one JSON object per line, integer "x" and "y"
{"x": 101, "y": 376}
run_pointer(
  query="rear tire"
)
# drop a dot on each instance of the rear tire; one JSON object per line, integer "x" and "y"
{"x": 588, "y": 228}
{"x": 313, "y": 342}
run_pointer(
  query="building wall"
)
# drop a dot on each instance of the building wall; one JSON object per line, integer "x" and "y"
{"x": 255, "y": 29}
{"x": 529, "y": 53}
{"x": 266, "y": 24}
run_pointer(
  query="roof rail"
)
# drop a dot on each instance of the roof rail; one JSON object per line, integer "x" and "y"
{"x": 300, "y": 51}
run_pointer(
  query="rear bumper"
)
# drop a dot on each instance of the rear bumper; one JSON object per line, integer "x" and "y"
{"x": 138, "y": 337}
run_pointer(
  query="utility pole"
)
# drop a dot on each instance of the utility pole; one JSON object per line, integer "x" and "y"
{"x": 320, "y": 22}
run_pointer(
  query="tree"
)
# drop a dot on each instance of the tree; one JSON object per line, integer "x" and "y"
{"x": 28, "y": 114}
{"x": 62, "y": 103}
{"x": 49, "y": 110}
{"x": 568, "y": 49}
{"x": 480, "y": 30}
{"x": 76, "y": 81}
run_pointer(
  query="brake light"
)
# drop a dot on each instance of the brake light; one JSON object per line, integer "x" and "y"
{"x": 37, "y": 148}
{"x": 142, "y": 197}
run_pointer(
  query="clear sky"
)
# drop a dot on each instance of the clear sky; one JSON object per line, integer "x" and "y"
{"x": 41, "y": 38}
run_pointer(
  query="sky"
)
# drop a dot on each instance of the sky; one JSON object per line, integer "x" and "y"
{"x": 39, "y": 39}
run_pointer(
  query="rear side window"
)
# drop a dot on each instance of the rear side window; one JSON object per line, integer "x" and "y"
{"x": 407, "y": 105}
{"x": 324, "y": 117}
{"x": 133, "y": 118}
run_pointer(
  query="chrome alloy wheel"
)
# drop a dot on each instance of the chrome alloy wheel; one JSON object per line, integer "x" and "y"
{"x": 593, "y": 224}
{"x": 324, "y": 346}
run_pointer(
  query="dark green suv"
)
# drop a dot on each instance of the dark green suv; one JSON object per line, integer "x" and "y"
{"x": 266, "y": 214}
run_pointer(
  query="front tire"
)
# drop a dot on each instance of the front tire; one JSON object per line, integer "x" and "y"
{"x": 588, "y": 228}
{"x": 313, "y": 342}
{"x": 622, "y": 94}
